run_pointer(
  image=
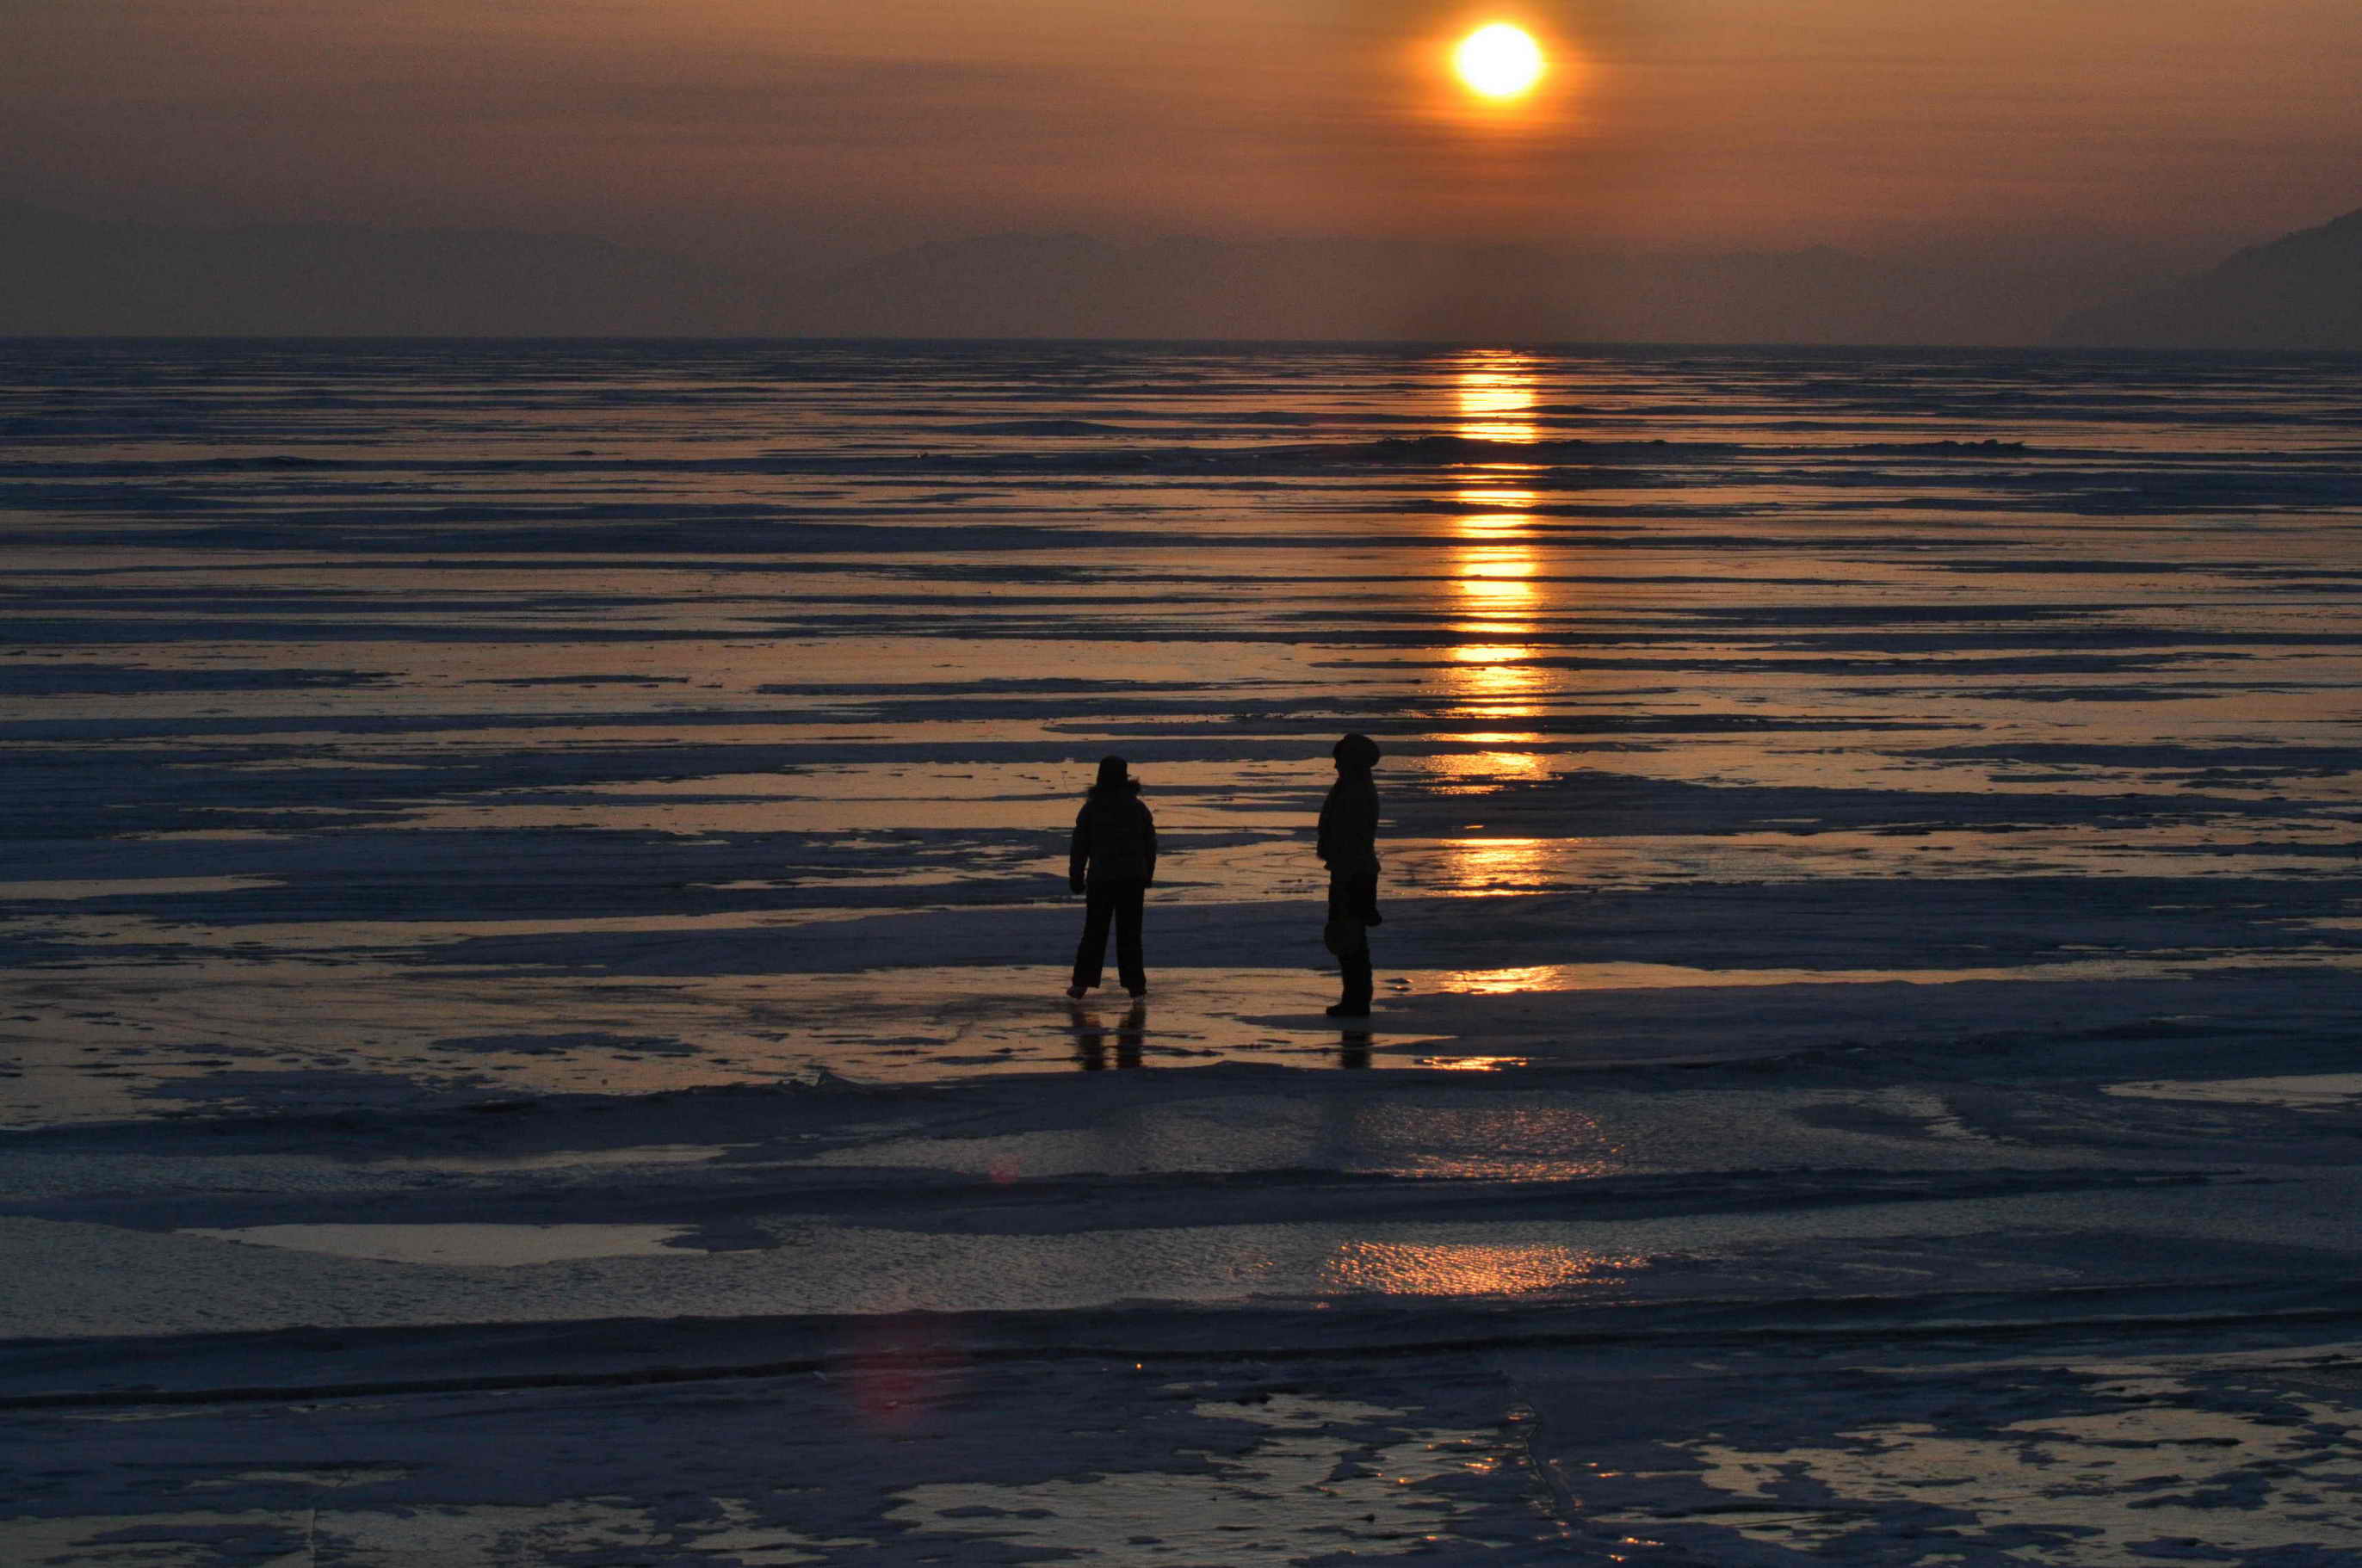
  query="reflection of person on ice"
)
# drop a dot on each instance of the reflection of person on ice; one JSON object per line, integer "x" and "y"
{"x": 1112, "y": 863}
{"x": 1349, "y": 847}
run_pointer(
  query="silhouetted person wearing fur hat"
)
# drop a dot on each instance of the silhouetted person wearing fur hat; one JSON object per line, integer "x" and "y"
{"x": 1349, "y": 847}
{"x": 1112, "y": 863}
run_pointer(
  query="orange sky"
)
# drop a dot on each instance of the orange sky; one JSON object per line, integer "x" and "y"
{"x": 835, "y": 126}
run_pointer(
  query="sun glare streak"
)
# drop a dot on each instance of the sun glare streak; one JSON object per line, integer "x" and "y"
{"x": 1499, "y": 62}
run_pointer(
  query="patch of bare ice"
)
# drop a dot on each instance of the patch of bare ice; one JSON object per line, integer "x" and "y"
{"x": 460, "y": 1244}
{"x": 2120, "y": 1486}
{"x": 1318, "y": 1485}
{"x": 2317, "y": 1091}
{"x": 481, "y": 1535}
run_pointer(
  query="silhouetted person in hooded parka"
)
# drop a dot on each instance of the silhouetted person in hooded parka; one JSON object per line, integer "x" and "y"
{"x": 1349, "y": 847}
{"x": 1112, "y": 863}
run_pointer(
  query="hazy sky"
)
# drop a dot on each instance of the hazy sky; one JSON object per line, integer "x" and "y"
{"x": 837, "y": 126}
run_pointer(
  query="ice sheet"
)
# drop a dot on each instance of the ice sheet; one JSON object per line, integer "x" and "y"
{"x": 1863, "y": 1056}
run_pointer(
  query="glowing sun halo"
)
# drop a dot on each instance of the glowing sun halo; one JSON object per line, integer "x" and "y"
{"x": 1498, "y": 62}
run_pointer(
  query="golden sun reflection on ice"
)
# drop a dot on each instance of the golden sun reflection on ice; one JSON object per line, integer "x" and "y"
{"x": 1494, "y": 680}
{"x": 1500, "y": 598}
{"x": 1509, "y": 982}
{"x": 1497, "y": 579}
{"x": 1489, "y": 862}
{"x": 1497, "y": 395}
{"x": 1491, "y": 766}
{"x": 1414, "y": 1269}
{"x": 1494, "y": 568}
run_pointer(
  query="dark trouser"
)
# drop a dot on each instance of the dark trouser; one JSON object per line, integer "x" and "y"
{"x": 1353, "y": 899}
{"x": 1354, "y": 895}
{"x": 1119, "y": 902}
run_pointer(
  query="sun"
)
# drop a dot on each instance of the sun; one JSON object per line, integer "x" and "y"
{"x": 1499, "y": 62}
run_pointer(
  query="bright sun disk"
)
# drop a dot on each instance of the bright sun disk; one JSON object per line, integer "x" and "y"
{"x": 1499, "y": 60}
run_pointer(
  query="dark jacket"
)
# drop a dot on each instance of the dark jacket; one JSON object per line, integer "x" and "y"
{"x": 1115, "y": 838}
{"x": 1349, "y": 823}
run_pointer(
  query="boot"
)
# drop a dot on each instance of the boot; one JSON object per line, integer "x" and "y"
{"x": 1355, "y": 969}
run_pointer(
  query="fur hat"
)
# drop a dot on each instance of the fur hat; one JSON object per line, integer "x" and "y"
{"x": 1112, "y": 774}
{"x": 1357, "y": 751}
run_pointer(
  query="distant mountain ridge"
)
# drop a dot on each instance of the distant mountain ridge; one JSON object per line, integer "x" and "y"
{"x": 1076, "y": 286}
{"x": 65, "y": 274}
{"x": 2301, "y": 291}
{"x": 69, "y": 275}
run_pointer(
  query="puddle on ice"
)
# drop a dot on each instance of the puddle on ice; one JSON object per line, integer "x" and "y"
{"x": 2321, "y": 1091}
{"x": 1472, "y": 1064}
{"x": 556, "y": 1159}
{"x": 131, "y": 888}
{"x": 470, "y": 1245}
{"x": 1933, "y": 1112}
{"x": 1323, "y": 1485}
{"x": 1546, "y": 978}
{"x": 353, "y": 1476}
{"x": 1504, "y": 1137}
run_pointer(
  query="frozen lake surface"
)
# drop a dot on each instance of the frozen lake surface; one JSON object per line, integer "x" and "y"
{"x": 533, "y": 921}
